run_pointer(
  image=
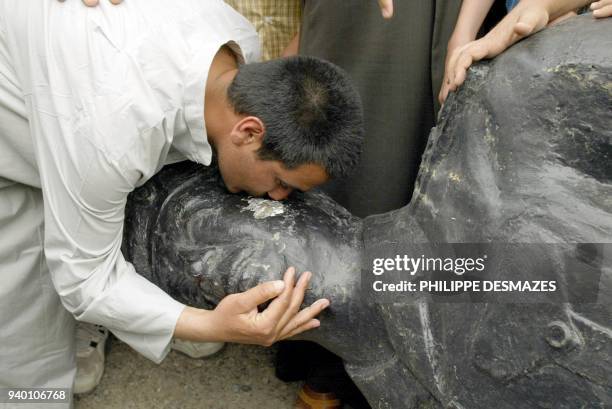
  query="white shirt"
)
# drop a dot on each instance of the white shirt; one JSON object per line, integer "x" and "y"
{"x": 111, "y": 94}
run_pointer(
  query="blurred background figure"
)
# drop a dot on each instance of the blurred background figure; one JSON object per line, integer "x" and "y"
{"x": 397, "y": 65}
{"x": 276, "y": 22}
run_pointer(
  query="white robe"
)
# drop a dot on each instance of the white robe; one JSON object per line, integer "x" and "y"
{"x": 93, "y": 102}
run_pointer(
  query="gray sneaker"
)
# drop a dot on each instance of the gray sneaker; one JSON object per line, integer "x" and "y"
{"x": 90, "y": 343}
{"x": 196, "y": 349}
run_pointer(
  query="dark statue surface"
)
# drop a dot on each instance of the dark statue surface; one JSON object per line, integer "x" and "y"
{"x": 522, "y": 154}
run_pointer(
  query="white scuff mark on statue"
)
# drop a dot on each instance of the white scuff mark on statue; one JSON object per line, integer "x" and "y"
{"x": 263, "y": 208}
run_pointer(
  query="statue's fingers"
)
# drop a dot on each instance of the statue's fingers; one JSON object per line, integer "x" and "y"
{"x": 312, "y": 324}
{"x": 115, "y": 2}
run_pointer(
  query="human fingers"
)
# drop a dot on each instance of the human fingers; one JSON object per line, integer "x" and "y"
{"x": 249, "y": 300}
{"x": 444, "y": 89}
{"x": 279, "y": 307}
{"x": 94, "y": 3}
{"x": 443, "y": 94}
{"x": 450, "y": 66}
{"x": 603, "y": 12}
{"x": 296, "y": 299}
{"x": 473, "y": 52}
{"x": 530, "y": 21}
{"x": 562, "y": 18}
{"x": 460, "y": 72}
{"x": 451, "y": 58}
{"x": 386, "y": 8}
{"x": 236, "y": 319}
{"x": 602, "y": 8}
{"x": 299, "y": 323}
{"x": 596, "y": 5}
{"x": 312, "y": 324}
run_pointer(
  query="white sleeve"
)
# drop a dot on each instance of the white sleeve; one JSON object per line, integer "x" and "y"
{"x": 84, "y": 202}
{"x": 84, "y": 219}
{"x": 82, "y": 120}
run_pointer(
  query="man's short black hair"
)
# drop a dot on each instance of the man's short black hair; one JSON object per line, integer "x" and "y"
{"x": 310, "y": 110}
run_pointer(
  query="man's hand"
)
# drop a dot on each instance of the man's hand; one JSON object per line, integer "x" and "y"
{"x": 93, "y": 3}
{"x": 520, "y": 23}
{"x": 386, "y": 8}
{"x": 237, "y": 318}
{"x": 602, "y": 8}
{"x": 455, "y": 43}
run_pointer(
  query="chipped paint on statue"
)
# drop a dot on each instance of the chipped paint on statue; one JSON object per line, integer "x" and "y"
{"x": 263, "y": 208}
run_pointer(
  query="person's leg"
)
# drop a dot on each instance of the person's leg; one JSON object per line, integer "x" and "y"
{"x": 37, "y": 332}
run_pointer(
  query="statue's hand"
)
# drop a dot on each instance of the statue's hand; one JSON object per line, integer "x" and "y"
{"x": 237, "y": 318}
{"x": 93, "y": 3}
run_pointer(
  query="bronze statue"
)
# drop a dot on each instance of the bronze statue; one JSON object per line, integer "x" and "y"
{"x": 522, "y": 154}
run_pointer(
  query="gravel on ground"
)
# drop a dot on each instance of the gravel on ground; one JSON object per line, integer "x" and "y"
{"x": 238, "y": 377}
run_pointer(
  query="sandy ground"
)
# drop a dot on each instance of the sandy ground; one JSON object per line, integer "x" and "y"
{"x": 238, "y": 377}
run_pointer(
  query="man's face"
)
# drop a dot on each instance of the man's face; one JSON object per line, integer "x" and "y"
{"x": 243, "y": 171}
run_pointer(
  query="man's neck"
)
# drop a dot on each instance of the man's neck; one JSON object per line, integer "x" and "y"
{"x": 216, "y": 113}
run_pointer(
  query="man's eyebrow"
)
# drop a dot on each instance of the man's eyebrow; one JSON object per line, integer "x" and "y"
{"x": 291, "y": 186}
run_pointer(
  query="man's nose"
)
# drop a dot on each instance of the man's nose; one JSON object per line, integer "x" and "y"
{"x": 280, "y": 193}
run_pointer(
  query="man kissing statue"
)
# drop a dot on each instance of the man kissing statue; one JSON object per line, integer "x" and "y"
{"x": 522, "y": 154}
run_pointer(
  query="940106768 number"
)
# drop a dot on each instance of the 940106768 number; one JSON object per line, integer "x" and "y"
{"x": 26, "y": 395}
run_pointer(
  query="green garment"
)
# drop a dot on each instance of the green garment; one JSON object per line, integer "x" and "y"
{"x": 397, "y": 66}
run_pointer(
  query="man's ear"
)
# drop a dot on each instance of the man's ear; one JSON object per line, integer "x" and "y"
{"x": 249, "y": 129}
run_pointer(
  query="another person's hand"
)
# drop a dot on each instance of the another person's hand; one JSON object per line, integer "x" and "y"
{"x": 237, "y": 318}
{"x": 562, "y": 18}
{"x": 93, "y": 3}
{"x": 602, "y": 8}
{"x": 293, "y": 47}
{"x": 455, "y": 43}
{"x": 386, "y": 8}
{"x": 518, "y": 24}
